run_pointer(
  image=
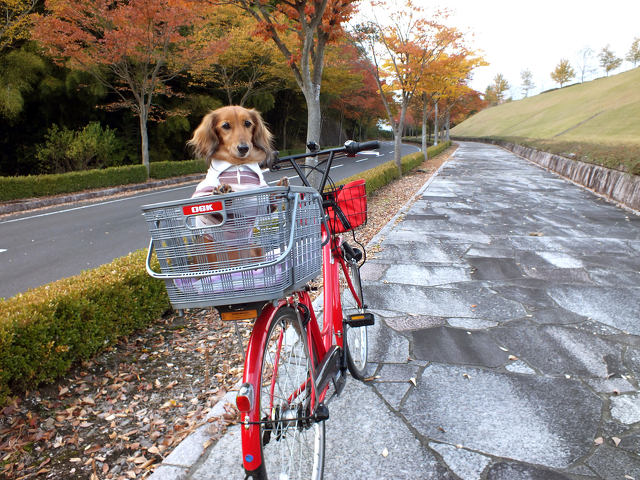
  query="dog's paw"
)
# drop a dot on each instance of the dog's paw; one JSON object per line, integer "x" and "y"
{"x": 283, "y": 182}
{"x": 222, "y": 189}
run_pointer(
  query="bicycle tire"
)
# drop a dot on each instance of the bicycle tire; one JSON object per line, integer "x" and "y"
{"x": 291, "y": 450}
{"x": 356, "y": 338}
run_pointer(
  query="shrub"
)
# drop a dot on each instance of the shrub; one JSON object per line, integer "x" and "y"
{"x": 45, "y": 330}
{"x": 68, "y": 151}
{"x": 161, "y": 170}
{"x": 13, "y": 188}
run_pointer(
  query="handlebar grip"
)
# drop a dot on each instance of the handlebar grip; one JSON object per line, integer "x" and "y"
{"x": 354, "y": 147}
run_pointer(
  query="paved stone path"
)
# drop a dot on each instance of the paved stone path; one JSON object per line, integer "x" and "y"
{"x": 512, "y": 299}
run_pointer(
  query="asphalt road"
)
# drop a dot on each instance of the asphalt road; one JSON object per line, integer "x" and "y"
{"x": 39, "y": 247}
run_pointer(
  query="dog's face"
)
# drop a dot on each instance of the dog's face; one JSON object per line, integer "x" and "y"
{"x": 235, "y": 134}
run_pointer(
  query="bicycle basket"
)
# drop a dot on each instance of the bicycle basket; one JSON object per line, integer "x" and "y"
{"x": 346, "y": 206}
{"x": 236, "y": 248}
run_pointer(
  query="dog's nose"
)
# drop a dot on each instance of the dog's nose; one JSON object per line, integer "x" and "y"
{"x": 243, "y": 149}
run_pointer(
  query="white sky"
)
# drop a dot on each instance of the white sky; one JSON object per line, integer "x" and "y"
{"x": 535, "y": 35}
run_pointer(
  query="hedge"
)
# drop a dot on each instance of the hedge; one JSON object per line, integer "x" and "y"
{"x": 14, "y": 188}
{"x": 29, "y": 186}
{"x": 160, "y": 170}
{"x": 45, "y": 330}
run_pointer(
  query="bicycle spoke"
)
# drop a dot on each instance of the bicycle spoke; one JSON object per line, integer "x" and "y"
{"x": 293, "y": 447}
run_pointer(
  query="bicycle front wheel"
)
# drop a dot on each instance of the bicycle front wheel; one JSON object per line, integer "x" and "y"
{"x": 292, "y": 444}
{"x": 357, "y": 344}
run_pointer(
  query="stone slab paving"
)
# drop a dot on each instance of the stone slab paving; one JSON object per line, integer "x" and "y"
{"x": 507, "y": 345}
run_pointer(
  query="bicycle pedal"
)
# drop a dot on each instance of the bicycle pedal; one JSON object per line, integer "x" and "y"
{"x": 360, "y": 320}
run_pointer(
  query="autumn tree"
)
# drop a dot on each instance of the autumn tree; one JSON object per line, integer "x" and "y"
{"x": 527, "y": 82}
{"x": 490, "y": 95}
{"x": 633, "y": 55}
{"x": 497, "y": 89}
{"x": 563, "y": 72}
{"x": 401, "y": 48}
{"x": 446, "y": 83}
{"x": 14, "y": 20}
{"x": 608, "y": 60}
{"x": 133, "y": 47}
{"x": 316, "y": 23}
{"x": 247, "y": 65}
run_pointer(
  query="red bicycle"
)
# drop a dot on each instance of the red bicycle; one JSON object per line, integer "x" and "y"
{"x": 296, "y": 361}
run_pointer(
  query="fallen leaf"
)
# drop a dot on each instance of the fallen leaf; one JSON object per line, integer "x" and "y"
{"x": 413, "y": 380}
{"x": 513, "y": 357}
{"x": 616, "y": 441}
{"x": 598, "y": 441}
{"x": 467, "y": 376}
{"x": 385, "y": 452}
{"x": 503, "y": 349}
{"x": 155, "y": 450}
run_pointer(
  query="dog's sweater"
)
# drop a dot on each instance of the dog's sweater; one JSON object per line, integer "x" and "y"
{"x": 240, "y": 177}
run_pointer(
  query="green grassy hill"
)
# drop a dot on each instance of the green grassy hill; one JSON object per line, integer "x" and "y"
{"x": 599, "y": 121}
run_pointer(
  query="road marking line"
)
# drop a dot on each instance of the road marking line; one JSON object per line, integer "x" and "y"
{"x": 93, "y": 205}
{"x": 2, "y": 250}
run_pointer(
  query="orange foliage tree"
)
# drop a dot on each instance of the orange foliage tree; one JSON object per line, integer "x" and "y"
{"x": 446, "y": 84}
{"x": 132, "y": 47}
{"x": 401, "y": 47}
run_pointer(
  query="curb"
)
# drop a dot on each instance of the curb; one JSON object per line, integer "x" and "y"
{"x": 32, "y": 203}
{"x": 178, "y": 463}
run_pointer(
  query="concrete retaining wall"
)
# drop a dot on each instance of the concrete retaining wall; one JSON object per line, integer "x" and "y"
{"x": 618, "y": 186}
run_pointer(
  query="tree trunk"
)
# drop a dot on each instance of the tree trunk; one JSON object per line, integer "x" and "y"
{"x": 447, "y": 123}
{"x": 424, "y": 127}
{"x": 435, "y": 124}
{"x": 397, "y": 154}
{"x": 314, "y": 125}
{"x": 144, "y": 137}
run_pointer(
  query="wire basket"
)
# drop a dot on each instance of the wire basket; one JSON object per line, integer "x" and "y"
{"x": 236, "y": 248}
{"x": 346, "y": 206}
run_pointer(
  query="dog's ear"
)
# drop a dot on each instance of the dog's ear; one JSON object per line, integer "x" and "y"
{"x": 262, "y": 137}
{"x": 205, "y": 140}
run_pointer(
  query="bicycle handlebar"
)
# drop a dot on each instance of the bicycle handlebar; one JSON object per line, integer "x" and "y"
{"x": 350, "y": 148}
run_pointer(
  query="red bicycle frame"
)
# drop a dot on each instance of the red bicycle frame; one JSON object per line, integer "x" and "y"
{"x": 318, "y": 342}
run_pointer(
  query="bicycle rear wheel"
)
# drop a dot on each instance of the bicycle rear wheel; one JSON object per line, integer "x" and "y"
{"x": 292, "y": 445}
{"x": 356, "y": 338}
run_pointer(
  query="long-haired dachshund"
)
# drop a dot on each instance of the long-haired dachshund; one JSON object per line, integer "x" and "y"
{"x": 235, "y": 143}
